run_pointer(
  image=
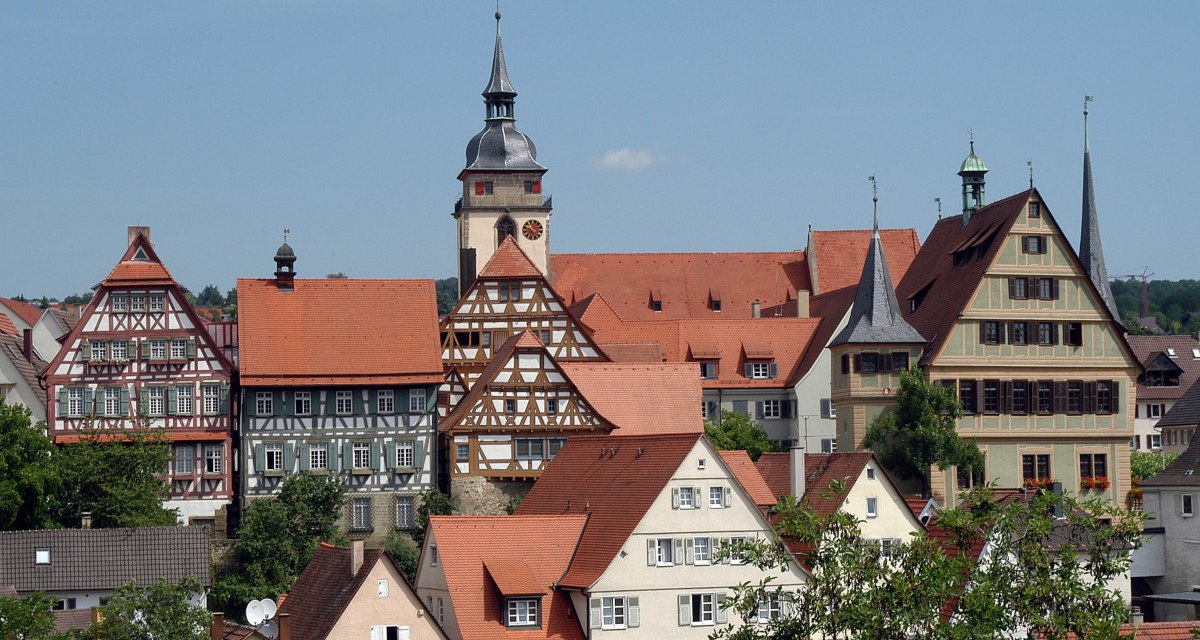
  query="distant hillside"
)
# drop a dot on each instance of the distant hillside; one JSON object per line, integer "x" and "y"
{"x": 1174, "y": 303}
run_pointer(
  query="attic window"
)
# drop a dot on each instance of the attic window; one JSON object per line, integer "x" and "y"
{"x": 714, "y": 300}
{"x": 1171, "y": 351}
{"x": 715, "y": 305}
{"x": 1035, "y": 210}
{"x": 1195, "y": 352}
{"x": 700, "y": 462}
{"x": 140, "y": 254}
{"x": 656, "y": 303}
{"x": 41, "y": 556}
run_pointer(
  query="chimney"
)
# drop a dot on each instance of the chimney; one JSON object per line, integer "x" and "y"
{"x": 1136, "y": 618}
{"x": 802, "y": 303}
{"x": 216, "y": 631}
{"x": 285, "y": 626}
{"x": 797, "y": 464}
{"x": 134, "y": 232}
{"x": 27, "y": 344}
{"x": 756, "y": 309}
{"x": 85, "y": 521}
{"x": 356, "y": 557}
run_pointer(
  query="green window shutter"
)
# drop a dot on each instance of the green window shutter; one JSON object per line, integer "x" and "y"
{"x": 390, "y": 459}
{"x": 651, "y": 552}
{"x": 85, "y": 350}
{"x": 145, "y": 349}
{"x": 758, "y": 409}
{"x": 124, "y": 401}
{"x": 679, "y": 551}
{"x": 131, "y": 349}
{"x": 722, "y": 612}
{"x": 372, "y": 401}
{"x": 277, "y": 405}
{"x": 634, "y": 613}
{"x": 358, "y": 402}
{"x": 89, "y": 398}
{"x": 191, "y": 348}
{"x": 688, "y": 549}
{"x": 260, "y": 458}
{"x": 288, "y": 403}
{"x": 685, "y": 610}
{"x": 172, "y": 401}
{"x": 419, "y": 455}
{"x": 347, "y": 456}
{"x": 288, "y": 457}
{"x": 375, "y": 461}
{"x": 774, "y": 370}
{"x": 143, "y": 401}
{"x": 594, "y": 613}
{"x": 332, "y": 456}
{"x": 304, "y": 456}
{"x": 402, "y": 400}
{"x": 330, "y": 402}
{"x": 61, "y": 407}
{"x": 249, "y": 406}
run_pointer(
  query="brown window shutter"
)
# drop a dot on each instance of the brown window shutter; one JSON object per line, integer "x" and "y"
{"x": 1009, "y": 331}
{"x": 1089, "y": 397}
{"x": 1005, "y": 395}
{"x": 1012, "y": 287}
{"x": 979, "y": 396}
{"x": 845, "y": 363}
{"x": 1060, "y": 397}
{"x": 1114, "y": 388}
{"x": 1054, "y": 288}
{"x": 858, "y": 362}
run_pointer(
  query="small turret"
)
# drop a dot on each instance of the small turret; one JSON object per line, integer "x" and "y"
{"x": 972, "y": 172}
{"x": 285, "y": 269}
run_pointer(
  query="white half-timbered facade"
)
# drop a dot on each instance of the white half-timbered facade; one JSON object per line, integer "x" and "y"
{"x": 140, "y": 355}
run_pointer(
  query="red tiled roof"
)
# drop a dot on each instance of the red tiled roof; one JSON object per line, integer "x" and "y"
{"x": 839, "y": 255}
{"x": 633, "y": 352}
{"x": 640, "y": 399}
{"x": 1147, "y": 348}
{"x": 821, "y": 470}
{"x": 513, "y": 577}
{"x": 685, "y": 281}
{"x": 747, "y": 475}
{"x": 12, "y": 347}
{"x": 612, "y": 478}
{"x": 338, "y": 331}
{"x": 509, "y": 261}
{"x": 7, "y": 327}
{"x": 148, "y": 270}
{"x": 544, "y": 544}
{"x": 28, "y": 313}
{"x": 829, "y": 308}
{"x": 1180, "y": 630}
{"x": 324, "y": 590}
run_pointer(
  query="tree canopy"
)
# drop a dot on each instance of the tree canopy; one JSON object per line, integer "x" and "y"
{"x": 447, "y": 295}
{"x": 29, "y": 475}
{"x": 1175, "y": 304}
{"x": 1146, "y": 464}
{"x": 921, "y": 432}
{"x": 28, "y": 618}
{"x": 153, "y": 612}
{"x": 737, "y": 430}
{"x": 118, "y": 481}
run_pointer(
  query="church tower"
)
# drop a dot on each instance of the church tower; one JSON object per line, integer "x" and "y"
{"x": 972, "y": 171}
{"x": 502, "y": 185}
{"x": 1091, "y": 254}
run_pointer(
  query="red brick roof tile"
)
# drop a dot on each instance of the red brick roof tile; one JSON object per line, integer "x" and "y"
{"x": 509, "y": 261}
{"x": 614, "y": 479}
{"x": 7, "y": 327}
{"x": 544, "y": 544}
{"x": 1180, "y": 630}
{"x": 28, "y": 313}
{"x": 641, "y": 399}
{"x": 338, "y": 332}
{"x": 12, "y": 347}
{"x": 829, "y": 308}
{"x": 513, "y": 577}
{"x": 839, "y": 255}
{"x": 747, "y": 475}
{"x": 821, "y": 470}
{"x": 139, "y": 266}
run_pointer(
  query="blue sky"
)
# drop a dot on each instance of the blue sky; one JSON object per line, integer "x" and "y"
{"x": 666, "y": 126}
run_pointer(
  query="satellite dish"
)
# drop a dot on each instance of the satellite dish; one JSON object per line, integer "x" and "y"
{"x": 270, "y": 630}
{"x": 254, "y": 613}
{"x": 268, "y": 608}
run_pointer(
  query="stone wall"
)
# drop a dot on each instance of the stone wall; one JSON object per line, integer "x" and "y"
{"x": 480, "y": 496}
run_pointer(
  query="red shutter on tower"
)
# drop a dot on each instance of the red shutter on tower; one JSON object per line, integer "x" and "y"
{"x": 537, "y": 186}
{"x": 478, "y": 188}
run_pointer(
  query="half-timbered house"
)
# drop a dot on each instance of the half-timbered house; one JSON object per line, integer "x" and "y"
{"x": 140, "y": 355}
{"x": 340, "y": 376}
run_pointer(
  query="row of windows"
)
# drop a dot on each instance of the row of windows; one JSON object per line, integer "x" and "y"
{"x": 752, "y": 369}
{"x": 1024, "y": 332}
{"x": 1042, "y": 397}
{"x": 139, "y": 303}
{"x": 701, "y": 550}
{"x": 151, "y": 349}
{"x": 344, "y": 403}
{"x": 156, "y": 401}
{"x": 401, "y": 456}
{"x": 552, "y": 405}
{"x": 361, "y": 517}
{"x": 1036, "y": 470}
{"x": 694, "y": 497}
{"x": 871, "y": 362}
{"x": 185, "y": 459}
{"x": 694, "y": 609}
{"x": 486, "y": 339}
{"x": 488, "y": 187}
{"x": 1024, "y": 288}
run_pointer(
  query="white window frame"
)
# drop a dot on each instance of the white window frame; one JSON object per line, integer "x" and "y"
{"x": 75, "y": 408}
{"x": 178, "y": 349}
{"x": 1187, "y": 505}
{"x": 212, "y": 398}
{"x": 158, "y": 349}
{"x": 716, "y": 497}
{"x": 528, "y": 444}
{"x": 119, "y": 350}
{"x": 416, "y": 400}
{"x": 1154, "y": 410}
{"x": 158, "y": 303}
{"x": 760, "y": 370}
{"x": 112, "y": 401}
{"x": 360, "y": 514}
{"x": 185, "y": 401}
{"x": 264, "y": 403}
{"x": 137, "y": 303}
{"x": 406, "y": 454}
{"x": 1155, "y": 441}
{"x": 521, "y": 612}
{"x": 406, "y": 512}
{"x": 664, "y": 552}
{"x": 360, "y": 452}
{"x": 120, "y": 304}
{"x": 302, "y": 403}
{"x": 214, "y": 459}
{"x": 318, "y": 456}
{"x": 156, "y": 401}
{"x": 273, "y": 457}
{"x": 872, "y": 507}
{"x": 737, "y": 557}
{"x": 385, "y": 401}
{"x": 99, "y": 350}
{"x": 380, "y": 631}
{"x": 870, "y": 473}
{"x": 699, "y": 544}
{"x": 770, "y": 607}
{"x": 772, "y": 409}
{"x": 614, "y": 612}
{"x": 185, "y": 460}
{"x": 551, "y": 406}
{"x": 344, "y": 403}
{"x": 704, "y": 609}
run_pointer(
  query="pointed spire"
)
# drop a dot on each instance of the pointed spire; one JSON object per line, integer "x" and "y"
{"x": 498, "y": 84}
{"x": 875, "y": 317}
{"x": 1091, "y": 253}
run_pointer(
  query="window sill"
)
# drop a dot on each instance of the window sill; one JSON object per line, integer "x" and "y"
{"x": 273, "y": 473}
{"x": 404, "y": 470}
{"x": 317, "y": 472}
{"x": 361, "y": 471}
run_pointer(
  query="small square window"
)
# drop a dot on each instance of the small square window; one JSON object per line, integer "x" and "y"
{"x": 41, "y": 556}
{"x": 870, "y": 473}
{"x": 510, "y": 406}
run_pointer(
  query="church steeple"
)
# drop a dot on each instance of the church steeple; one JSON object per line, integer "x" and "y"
{"x": 499, "y": 94}
{"x": 1091, "y": 254}
{"x": 972, "y": 171}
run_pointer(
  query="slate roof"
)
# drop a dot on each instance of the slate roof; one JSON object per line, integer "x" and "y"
{"x": 28, "y": 313}
{"x": 542, "y": 544}
{"x": 747, "y": 475}
{"x": 821, "y": 470}
{"x": 509, "y": 261}
{"x": 1185, "y": 412}
{"x": 324, "y": 590}
{"x": 12, "y": 347}
{"x": 338, "y": 332}
{"x": 103, "y": 559}
{"x": 1183, "y": 472}
{"x": 1091, "y": 252}
{"x": 1147, "y": 349}
{"x": 837, "y": 256}
{"x": 614, "y": 479}
{"x": 876, "y": 316}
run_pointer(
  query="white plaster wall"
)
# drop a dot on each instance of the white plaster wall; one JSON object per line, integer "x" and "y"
{"x": 1181, "y": 547}
{"x": 430, "y": 585}
{"x": 20, "y": 392}
{"x": 195, "y": 508}
{"x": 400, "y": 607}
{"x": 893, "y": 520}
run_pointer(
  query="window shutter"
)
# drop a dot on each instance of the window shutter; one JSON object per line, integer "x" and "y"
{"x": 260, "y": 458}
{"x": 478, "y": 188}
{"x": 347, "y": 455}
{"x": 758, "y": 409}
{"x": 1012, "y": 288}
{"x": 1115, "y": 390}
{"x": 305, "y": 456}
{"x": 375, "y": 461}
{"x": 774, "y": 370}
{"x": 329, "y": 398}
{"x": 678, "y": 550}
{"x": 1060, "y": 397}
{"x": 825, "y": 407}
{"x": 124, "y": 401}
{"x": 1054, "y": 288}
{"x": 749, "y": 370}
{"x": 331, "y": 456}
{"x": 688, "y": 551}
{"x": 402, "y": 400}
{"x": 288, "y": 457}
{"x": 172, "y": 401}
{"x": 85, "y": 349}
{"x": 224, "y": 398}
{"x": 1009, "y": 330}
{"x": 372, "y": 404}
{"x": 726, "y": 496}
{"x": 289, "y": 403}
{"x": 594, "y": 613}
{"x": 191, "y": 348}
{"x": 858, "y": 362}
{"x": 633, "y": 618}
{"x": 144, "y": 401}
{"x": 358, "y": 402}
{"x": 785, "y": 409}
{"x": 145, "y": 348}
{"x": 845, "y": 363}
{"x": 651, "y": 552}
{"x": 390, "y": 458}
{"x": 61, "y": 406}
{"x": 685, "y": 610}
{"x": 674, "y": 498}
{"x": 1005, "y": 395}
{"x": 419, "y": 454}
{"x": 722, "y": 612}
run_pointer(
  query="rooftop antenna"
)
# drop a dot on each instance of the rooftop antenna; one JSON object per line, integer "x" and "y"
{"x": 938, "y": 202}
{"x": 1029, "y": 163}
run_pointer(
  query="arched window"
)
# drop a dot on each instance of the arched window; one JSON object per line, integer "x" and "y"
{"x": 505, "y": 228}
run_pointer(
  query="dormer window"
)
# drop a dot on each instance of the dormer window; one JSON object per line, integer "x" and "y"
{"x": 523, "y": 612}
{"x": 714, "y": 300}
{"x": 708, "y": 370}
{"x": 761, "y": 370}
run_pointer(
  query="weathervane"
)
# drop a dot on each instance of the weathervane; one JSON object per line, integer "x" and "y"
{"x": 938, "y": 202}
{"x": 286, "y": 231}
{"x": 1086, "y": 100}
{"x": 1029, "y": 163}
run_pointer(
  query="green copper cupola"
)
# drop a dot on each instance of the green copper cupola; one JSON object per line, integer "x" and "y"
{"x": 972, "y": 171}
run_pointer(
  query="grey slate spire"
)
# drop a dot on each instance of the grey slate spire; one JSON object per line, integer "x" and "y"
{"x": 875, "y": 317}
{"x": 500, "y": 146}
{"x": 1091, "y": 254}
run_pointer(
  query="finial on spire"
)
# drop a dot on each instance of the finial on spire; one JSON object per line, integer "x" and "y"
{"x": 1029, "y": 163}
{"x": 286, "y": 231}
{"x": 875, "y": 200}
{"x": 1086, "y": 100}
{"x": 938, "y": 202}
{"x": 971, "y": 138}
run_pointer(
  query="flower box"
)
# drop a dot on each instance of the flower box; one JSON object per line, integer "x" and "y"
{"x": 1038, "y": 483}
{"x": 1096, "y": 483}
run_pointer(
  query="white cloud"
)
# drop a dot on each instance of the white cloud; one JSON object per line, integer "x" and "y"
{"x": 629, "y": 160}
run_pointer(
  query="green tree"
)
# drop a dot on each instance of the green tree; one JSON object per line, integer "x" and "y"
{"x": 28, "y": 618}
{"x": 447, "y": 295}
{"x": 1145, "y": 464}
{"x": 78, "y": 298}
{"x": 29, "y": 477}
{"x": 337, "y": 276}
{"x": 210, "y": 296}
{"x": 315, "y": 502}
{"x": 404, "y": 552}
{"x": 1040, "y": 576}
{"x": 737, "y": 431}
{"x": 231, "y": 303}
{"x": 117, "y": 477}
{"x": 433, "y": 503}
{"x": 161, "y": 610}
{"x": 921, "y": 432}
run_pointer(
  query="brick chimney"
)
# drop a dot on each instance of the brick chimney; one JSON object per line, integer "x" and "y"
{"x": 356, "y": 556}
{"x": 797, "y": 468}
{"x": 285, "y": 626}
{"x": 134, "y": 232}
{"x": 216, "y": 631}
{"x": 27, "y": 344}
{"x": 802, "y": 297}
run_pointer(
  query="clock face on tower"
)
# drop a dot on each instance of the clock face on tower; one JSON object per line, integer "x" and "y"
{"x": 532, "y": 229}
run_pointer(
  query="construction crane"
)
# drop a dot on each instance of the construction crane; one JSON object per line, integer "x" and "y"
{"x": 1144, "y": 276}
